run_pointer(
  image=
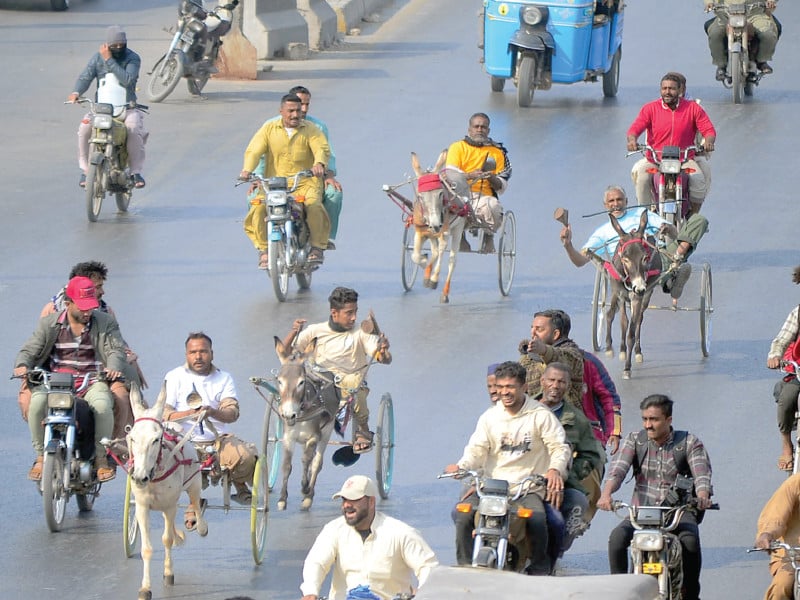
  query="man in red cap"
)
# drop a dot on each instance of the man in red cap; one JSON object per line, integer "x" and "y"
{"x": 77, "y": 340}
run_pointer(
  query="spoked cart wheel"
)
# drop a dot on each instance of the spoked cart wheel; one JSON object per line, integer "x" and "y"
{"x": 384, "y": 446}
{"x": 706, "y": 309}
{"x": 271, "y": 447}
{"x": 53, "y": 493}
{"x": 600, "y": 301}
{"x": 408, "y": 268}
{"x": 130, "y": 527}
{"x": 507, "y": 253}
{"x": 259, "y": 510}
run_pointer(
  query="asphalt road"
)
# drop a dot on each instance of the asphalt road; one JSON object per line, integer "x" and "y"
{"x": 180, "y": 262}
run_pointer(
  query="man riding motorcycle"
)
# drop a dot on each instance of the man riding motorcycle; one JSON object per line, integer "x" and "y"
{"x": 763, "y": 23}
{"x": 114, "y": 57}
{"x": 513, "y": 439}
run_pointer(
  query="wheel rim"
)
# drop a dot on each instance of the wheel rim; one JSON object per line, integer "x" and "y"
{"x": 278, "y": 271}
{"x": 53, "y": 492}
{"x": 166, "y": 74}
{"x": 385, "y": 441}
{"x": 408, "y": 268}
{"x": 599, "y": 306}
{"x": 95, "y": 191}
{"x": 507, "y": 253}
{"x": 259, "y": 511}
{"x": 706, "y": 310}
{"x": 272, "y": 446}
{"x": 130, "y": 526}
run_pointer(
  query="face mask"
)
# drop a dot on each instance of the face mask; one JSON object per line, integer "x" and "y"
{"x": 117, "y": 53}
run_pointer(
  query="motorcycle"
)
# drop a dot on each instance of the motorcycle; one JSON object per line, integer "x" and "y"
{"x": 193, "y": 51}
{"x": 654, "y": 549}
{"x": 287, "y": 233}
{"x": 537, "y": 43}
{"x": 791, "y": 370}
{"x": 791, "y": 554}
{"x": 742, "y": 75}
{"x": 500, "y": 532}
{"x": 670, "y": 180}
{"x": 108, "y": 171}
{"x": 68, "y": 467}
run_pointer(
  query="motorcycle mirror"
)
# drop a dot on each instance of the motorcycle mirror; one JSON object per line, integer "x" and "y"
{"x": 490, "y": 164}
{"x": 345, "y": 456}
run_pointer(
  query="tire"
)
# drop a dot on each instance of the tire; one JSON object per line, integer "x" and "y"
{"x": 271, "y": 447}
{"x": 384, "y": 444}
{"x": 600, "y": 303}
{"x": 59, "y": 5}
{"x": 278, "y": 271}
{"x": 130, "y": 526}
{"x": 525, "y": 73}
{"x": 737, "y": 77}
{"x": 611, "y": 77}
{"x": 259, "y": 510}
{"x": 486, "y": 558}
{"x": 53, "y": 492}
{"x": 408, "y": 268}
{"x": 196, "y": 84}
{"x": 507, "y": 253}
{"x": 706, "y": 309}
{"x": 303, "y": 279}
{"x": 95, "y": 190}
{"x": 123, "y": 201}
{"x": 166, "y": 74}
{"x": 86, "y": 501}
{"x": 498, "y": 83}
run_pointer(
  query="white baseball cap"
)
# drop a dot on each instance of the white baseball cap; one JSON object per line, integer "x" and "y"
{"x": 357, "y": 487}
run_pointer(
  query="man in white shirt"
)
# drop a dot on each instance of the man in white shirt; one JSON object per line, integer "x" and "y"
{"x": 366, "y": 548}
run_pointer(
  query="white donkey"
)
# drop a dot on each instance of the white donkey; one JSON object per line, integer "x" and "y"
{"x": 162, "y": 465}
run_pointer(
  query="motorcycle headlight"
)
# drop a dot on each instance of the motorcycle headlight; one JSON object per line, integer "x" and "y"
{"x": 103, "y": 121}
{"x": 277, "y": 211}
{"x": 494, "y": 506}
{"x": 670, "y": 166}
{"x": 59, "y": 400}
{"x": 533, "y": 15}
{"x": 736, "y": 21}
{"x": 648, "y": 540}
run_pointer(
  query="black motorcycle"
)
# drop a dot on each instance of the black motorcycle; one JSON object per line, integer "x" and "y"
{"x": 193, "y": 51}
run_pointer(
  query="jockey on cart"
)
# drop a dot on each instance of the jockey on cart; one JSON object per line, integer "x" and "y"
{"x": 341, "y": 359}
{"x": 603, "y": 242}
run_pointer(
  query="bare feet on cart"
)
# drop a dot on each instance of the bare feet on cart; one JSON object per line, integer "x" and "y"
{"x": 363, "y": 442}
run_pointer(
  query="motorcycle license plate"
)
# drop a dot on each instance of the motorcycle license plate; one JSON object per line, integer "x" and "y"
{"x": 652, "y": 568}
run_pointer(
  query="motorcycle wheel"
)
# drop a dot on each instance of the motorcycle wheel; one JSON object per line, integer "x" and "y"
{"x": 123, "y": 200}
{"x": 59, "y": 5}
{"x": 498, "y": 83}
{"x": 611, "y": 77}
{"x": 166, "y": 74}
{"x": 278, "y": 271}
{"x": 53, "y": 492}
{"x": 486, "y": 558}
{"x": 85, "y": 501}
{"x": 95, "y": 190}
{"x": 525, "y": 74}
{"x": 737, "y": 83}
{"x": 303, "y": 280}
{"x": 196, "y": 84}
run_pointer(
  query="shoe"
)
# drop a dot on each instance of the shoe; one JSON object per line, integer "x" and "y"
{"x": 487, "y": 247}
{"x": 263, "y": 260}
{"x": 35, "y": 474}
{"x": 82, "y": 180}
{"x": 331, "y": 245}
{"x": 721, "y": 73}
{"x": 464, "y": 245}
{"x": 680, "y": 279}
{"x": 243, "y": 495}
{"x": 138, "y": 181}
{"x": 317, "y": 255}
{"x": 764, "y": 67}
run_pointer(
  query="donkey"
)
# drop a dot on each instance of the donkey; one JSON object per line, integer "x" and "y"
{"x": 633, "y": 272}
{"x": 307, "y": 421}
{"x": 161, "y": 466}
{"x": 438, "y": 218}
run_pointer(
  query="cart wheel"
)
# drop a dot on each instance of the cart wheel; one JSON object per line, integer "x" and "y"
{"x": 706, "y": 309}
{"x": 408, "y": 268}
{"x": 599, "y": 305}
{"x": 384, "y": 444}
{"x": 507, "y": 253}
{"x": 130, "y": 526}
{"x": 271, "y": 446}
{"x": 259, "y": 510}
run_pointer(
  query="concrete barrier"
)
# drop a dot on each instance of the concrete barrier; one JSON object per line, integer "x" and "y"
{"x": 349, "y": 13}
{"x": 321, "y": 21}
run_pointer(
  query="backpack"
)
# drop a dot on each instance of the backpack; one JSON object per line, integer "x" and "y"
{"x": 681, "y": 461}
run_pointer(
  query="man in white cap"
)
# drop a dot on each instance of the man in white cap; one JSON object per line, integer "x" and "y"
{"x": 116, "y": 58}
{"x": 365, "y": 548}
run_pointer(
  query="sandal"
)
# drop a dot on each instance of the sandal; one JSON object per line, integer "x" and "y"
{"x": 82, "y": 180}
{"x": 263, "y": 261}
{"x": 786, "y": 463}
{"x": 138, "y": 181}
{"x": 35, "y": 474}
{"x": 363, "y": 442}
{"x": 190, "y": 516}
{"x": 316, "y": 256}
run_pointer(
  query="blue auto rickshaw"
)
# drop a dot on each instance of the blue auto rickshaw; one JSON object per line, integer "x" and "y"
{"x": 540, "y": 42}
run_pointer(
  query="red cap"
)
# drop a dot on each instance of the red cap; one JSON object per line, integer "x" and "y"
{"x": 81, "y": 291}
{"x": 428, "y": 182}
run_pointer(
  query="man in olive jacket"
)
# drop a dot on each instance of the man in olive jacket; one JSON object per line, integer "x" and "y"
{"x": 77, "y": 340}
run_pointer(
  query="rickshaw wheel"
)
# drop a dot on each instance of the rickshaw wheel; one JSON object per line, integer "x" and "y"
{"x": 525, "y": 73}
{"x": 498, "y": 83}
{"x": 384, "y": 444}
{"x": 611, "y": 77}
